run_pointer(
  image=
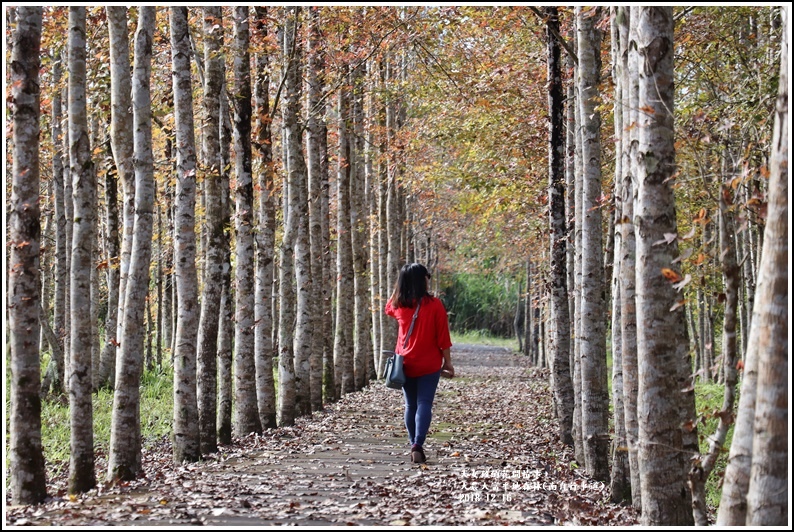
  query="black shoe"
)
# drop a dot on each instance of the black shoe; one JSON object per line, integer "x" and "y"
{"x": 417, "y": 455}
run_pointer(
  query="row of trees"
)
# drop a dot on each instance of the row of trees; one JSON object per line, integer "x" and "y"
{"x": 234, "y": 290}
{"x": 375, "y": 136}
{"x": 655, "y": 457}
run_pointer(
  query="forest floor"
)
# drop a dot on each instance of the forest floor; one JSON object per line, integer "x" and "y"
{"x": 494, "y": 458}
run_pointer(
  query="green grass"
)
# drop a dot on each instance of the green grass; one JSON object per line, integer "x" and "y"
{"x": 156, "y": 418}
{"x": 482, "y": 337}
{"x": 708, "y": 399}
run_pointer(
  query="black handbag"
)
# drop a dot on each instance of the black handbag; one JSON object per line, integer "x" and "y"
{"x": 394, "y": 372}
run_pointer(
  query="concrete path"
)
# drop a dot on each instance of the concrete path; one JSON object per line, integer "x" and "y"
{"x": 493, "y": 458}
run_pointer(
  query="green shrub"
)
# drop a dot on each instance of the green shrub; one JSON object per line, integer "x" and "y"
{"x": 477, "y": 301}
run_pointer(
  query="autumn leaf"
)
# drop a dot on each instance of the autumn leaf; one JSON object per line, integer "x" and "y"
{"x": 671, "y": 275}
{"x": 740, "y": 365}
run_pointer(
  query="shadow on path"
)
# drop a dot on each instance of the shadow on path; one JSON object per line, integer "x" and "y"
{"x": 493, "y": 458}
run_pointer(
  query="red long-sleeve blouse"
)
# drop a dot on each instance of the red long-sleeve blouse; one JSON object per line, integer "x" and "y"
{"x": 429, "y": 337}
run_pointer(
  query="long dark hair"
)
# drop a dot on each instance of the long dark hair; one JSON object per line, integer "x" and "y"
{"x": 411, "y": 285}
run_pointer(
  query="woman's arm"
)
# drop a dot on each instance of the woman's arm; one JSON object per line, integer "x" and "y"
{"x": 447, "y": 370}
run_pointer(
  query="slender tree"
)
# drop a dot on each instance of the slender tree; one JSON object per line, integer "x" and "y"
{"x": 560, "y": 343}
{"x": 28, "y": 482}
{"x": 755, "y": 489}
{"x": 266, "y": 235}
{"x": 53, "y": 378}
{"x": 620, "y": 486}
{"x": 292, "y": 144}
{"x": 595, "y": 401}
{"x": 628, "y": 275}
{"x": 121, "y": 141}
{"x": 124, "y": 462}
{"x": 207, "y": 379}
{"x": 576, "y": 363}
{"x": 226, "y": 316}
{"x": 298, "y": 177}
{"x": 314, "y": 157}
{"x": 661, "y": 332}
{"x": 246, "y": 414}
{"x": 343, "y": 338}
{"x": 81, "y": 465}
{"x": 359, "y": 238}
{"x": 186, "y": 428}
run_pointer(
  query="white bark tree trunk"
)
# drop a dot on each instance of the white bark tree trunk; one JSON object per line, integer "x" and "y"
{"x": 298, "y": 178}
{"x": 207, "y": 366}
{"x": 287, "y": 311}
{"x": 755, "y": 488}
{"x": 628, "y": 309}
{"x": 121, "y": 128}
{"x": 359, "y": 237}
{"x": 226, "y": 316}
{"x": 662, "y": 346}
{"x": 186, "y": 445}
{"x": 343, "y": 337}
{"x": 246, "y": 413}
{"x": 124, "y": 462}
{"x": 315, "y": 110}
{"x": 81, "y": 464}
{"x": 561, "y": 340}
{"x": 620, "y": 485}
{"x": 595, "y": 400}
{"x": 266, "y": 235}
{"x": 28, "y": 482}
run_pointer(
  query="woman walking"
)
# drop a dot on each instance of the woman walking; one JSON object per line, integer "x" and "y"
{"x": 427, "y": 353}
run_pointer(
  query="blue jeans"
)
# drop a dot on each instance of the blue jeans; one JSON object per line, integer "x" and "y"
{"x": 419, "y": 393}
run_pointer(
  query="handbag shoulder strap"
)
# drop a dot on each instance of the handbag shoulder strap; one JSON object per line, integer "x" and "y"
{"x": 413, "y": 321}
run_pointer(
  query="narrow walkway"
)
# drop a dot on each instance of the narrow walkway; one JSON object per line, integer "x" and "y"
{"x": 493, "y": 458}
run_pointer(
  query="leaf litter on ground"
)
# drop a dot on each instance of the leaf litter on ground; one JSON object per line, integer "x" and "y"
{"x": 494, "y": 458}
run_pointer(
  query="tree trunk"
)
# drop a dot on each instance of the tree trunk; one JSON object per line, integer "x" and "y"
{"x": 628, "y": 285}
{"x": 755, "y": 488}
{"x": 560, "y": 346}
{"x": 69, "y": 211}
{"x": 124, "y": 462}
{"x": 393, "y": 220}
{"x": 371, "y": 186}
{"x": 619, "y": 476}
{"x": 315, "y": 110}
{"x": 207, "y": 366}
{"x": 292, "y": 143}
{"x": 662, "y": 346}
{"x": 186, "y": 446}
{"x": 576, "y": 362}
{"x": 343, "y": 337}
{"x": 359, "y": 237}
{"x": 226, "y": 316}
{"x": 121, "y": 141}
{"x": 54, "y": 374}
{"x": 81, "y": 466}
{"x": 246, "y": 413}
{"x": 702, "y": 468}
{"x": 107, "y": 360}
{"x": 595, "y": 400}
{"x": 386, "y": 326}
{"x": 299, "y": 207}
{"x": 329, "y": 380}
{"x": 265, "y": 239}
{"x": 28, "y": 482}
